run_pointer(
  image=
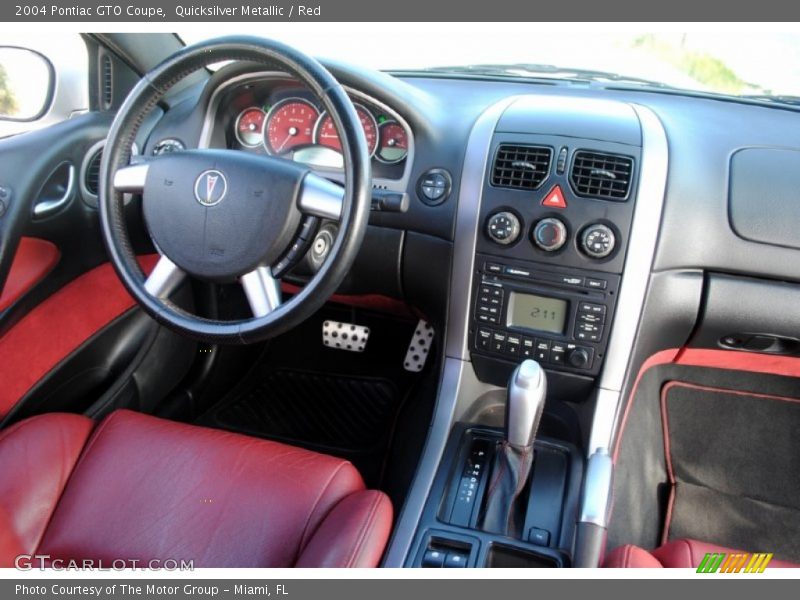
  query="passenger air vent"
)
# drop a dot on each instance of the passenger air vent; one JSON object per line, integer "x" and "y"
{"x": 106, "y": 81}
{"x": 91, "y": 176}
{"x": 521, "y": 167}
{"x": 599, "y": 175}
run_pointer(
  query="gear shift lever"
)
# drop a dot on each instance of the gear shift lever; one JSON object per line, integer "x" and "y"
{"x": 527, "y": 389}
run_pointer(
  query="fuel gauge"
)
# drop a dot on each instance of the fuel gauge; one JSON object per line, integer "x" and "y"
{"x": 392, "y": 144}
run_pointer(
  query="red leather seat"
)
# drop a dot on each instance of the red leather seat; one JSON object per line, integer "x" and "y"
{"x": 140, "y": 488}
{"x": 685, "y": 554}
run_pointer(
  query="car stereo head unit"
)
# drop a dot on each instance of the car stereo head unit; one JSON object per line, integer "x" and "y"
{"x": 559, "y": 317}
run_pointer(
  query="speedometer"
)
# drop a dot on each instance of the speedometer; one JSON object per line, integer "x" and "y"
{"x": 290, "y": 125}
{"x": 250, "y": 127}
{"x": 325, "y": 133}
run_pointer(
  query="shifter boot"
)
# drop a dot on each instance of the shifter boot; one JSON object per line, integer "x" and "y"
{"x": 509, "y": 474}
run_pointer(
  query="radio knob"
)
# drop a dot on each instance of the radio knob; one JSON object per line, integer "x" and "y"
{"x": 598, "y": 241}
{"x": 550, "y": 234}
{"x": 503, "y": 228}
{"x": 578, "y": 358}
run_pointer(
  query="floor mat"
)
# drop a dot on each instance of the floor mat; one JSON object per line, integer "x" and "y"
{"x": 304, "y": 393}
{"x": 733, "y": 459}
{"x": 340, "y": 414}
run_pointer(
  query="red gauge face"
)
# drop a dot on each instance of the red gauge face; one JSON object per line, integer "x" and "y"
{"x": 326, "y": 135}
{"x": 250, "y": 127}
{"x": 290, "y": 125}
{"x": 393, "y": 145}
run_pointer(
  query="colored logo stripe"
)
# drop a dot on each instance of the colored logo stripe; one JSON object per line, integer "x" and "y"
{"x": 721, "y": 562}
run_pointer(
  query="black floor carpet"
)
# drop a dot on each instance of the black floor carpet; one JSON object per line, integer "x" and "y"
{"x": 337, "y": 414}
{"x": 329, "y": 400}
{"x": 735, "y": 460}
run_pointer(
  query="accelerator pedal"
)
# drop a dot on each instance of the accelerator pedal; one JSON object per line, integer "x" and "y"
{"x": 419, "y": 348}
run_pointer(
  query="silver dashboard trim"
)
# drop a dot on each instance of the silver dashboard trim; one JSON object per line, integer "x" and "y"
{"x": 466, "y": 232}
{"x": 458, "y": 384}
{"x": 636, "y": 277}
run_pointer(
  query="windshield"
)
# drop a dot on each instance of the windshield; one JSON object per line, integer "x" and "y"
{"x": 734, "y": 62}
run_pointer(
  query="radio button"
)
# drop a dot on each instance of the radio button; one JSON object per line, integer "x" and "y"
{"x": 589, "y": 327}
{"x": 588, "y": 337}
{"x": 541, "y": 350}
{"x": 483, "y": 339}
{"x": 597, "y": 284}
{"x": 493, "y": 268}
{"x": 588, "y": 307}
{"x": 557, "y": 353}
{"x": 591, "y": 318}
{"x": 513, "y": 343}
{"x": 528, "y": 347}
{"x": 498, "y": 341}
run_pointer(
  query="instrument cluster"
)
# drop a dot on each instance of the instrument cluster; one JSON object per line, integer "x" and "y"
{"x": 285, "y": 121}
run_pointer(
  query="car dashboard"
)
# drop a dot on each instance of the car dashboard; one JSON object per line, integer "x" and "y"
{"x": 576, "y": 225}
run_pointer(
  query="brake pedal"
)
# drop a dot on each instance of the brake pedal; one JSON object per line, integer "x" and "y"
{"x": 419, "y": 348}
{"x": 345, "y": 336}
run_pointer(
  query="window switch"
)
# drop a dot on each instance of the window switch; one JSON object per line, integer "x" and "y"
{"x": 433, "y": 558}
{"x": 455, "y": 560}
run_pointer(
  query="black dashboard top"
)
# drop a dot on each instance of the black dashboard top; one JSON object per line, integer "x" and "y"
{"x": 703, "y": 133}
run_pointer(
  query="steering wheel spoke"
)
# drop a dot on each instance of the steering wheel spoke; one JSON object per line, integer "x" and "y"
{"x": 164, "y": 279}
{"x": 131, "y": 179}
{"x": 321, "y": 197}
{"x": 263, "y": 291}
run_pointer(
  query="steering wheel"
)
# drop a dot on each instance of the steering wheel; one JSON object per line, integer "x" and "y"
{"x": 224, "y": 215}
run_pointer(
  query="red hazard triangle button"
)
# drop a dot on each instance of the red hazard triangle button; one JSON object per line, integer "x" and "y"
{"x": 555, "y": 198}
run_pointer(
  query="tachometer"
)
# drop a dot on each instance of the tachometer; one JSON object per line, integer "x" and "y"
{"x": 325, "y": 132}
{"x": 393, "y": 142}
{"x": 290, "y": 125}
{"x": 250, "y": 127}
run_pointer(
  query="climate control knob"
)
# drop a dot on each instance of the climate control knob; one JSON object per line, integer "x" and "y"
{"x": 549, "y": 234}
{"x": 598, "y": 241}
{"x": 503, "y": 228}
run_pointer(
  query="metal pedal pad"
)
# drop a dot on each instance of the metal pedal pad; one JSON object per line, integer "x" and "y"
{"x": 419, "y": 347}
{"x": 345, "y": 336}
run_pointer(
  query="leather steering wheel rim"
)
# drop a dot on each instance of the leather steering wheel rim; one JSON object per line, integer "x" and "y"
{"x": 355, "y": 204}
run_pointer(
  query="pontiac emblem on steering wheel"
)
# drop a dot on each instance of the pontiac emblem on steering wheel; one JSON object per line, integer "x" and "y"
{"x": 210, "y": 187}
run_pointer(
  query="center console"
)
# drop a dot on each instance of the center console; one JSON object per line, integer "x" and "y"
{"x": 551, "y": 243}
{"x": 553, "y": 230}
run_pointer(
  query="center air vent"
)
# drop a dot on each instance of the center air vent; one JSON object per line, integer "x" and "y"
{"x": 521, "y": 167}
{"x": 600, "y": 175}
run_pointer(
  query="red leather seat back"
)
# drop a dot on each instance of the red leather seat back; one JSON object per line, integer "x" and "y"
{"x": 36, "y": 459}
{"x": 146, "y": 488}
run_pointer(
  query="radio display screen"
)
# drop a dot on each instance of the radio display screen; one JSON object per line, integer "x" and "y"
{"x": 536, "y": 312}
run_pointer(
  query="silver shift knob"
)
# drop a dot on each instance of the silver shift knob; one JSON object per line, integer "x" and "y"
{"x": 526, "y": 393}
